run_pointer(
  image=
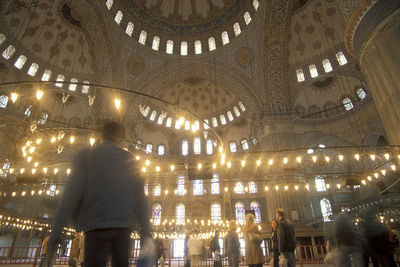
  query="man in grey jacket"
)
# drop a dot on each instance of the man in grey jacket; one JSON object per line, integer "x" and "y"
{"x": 103, "y": 197}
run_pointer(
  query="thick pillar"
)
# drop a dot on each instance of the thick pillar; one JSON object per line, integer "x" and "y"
{"x": 380, "y": 64}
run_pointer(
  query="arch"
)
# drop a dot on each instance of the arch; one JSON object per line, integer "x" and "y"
{"x": 341, "y": 58}
{"x": 142, "y": 37}
{"x": 300, "y": 75}
{"x": 252, "y": 187}
{"x": 46, "y": 75}
{"x": 313, "y": 71}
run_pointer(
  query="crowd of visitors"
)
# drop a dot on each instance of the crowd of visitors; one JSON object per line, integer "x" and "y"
{"x": 99, "y": 201}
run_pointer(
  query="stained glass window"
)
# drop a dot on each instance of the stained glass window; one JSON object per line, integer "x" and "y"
{"x": 180, "y": 214}
{"x": 3, "y": 101}
{"x": 156, "y": 214}
{"x": 198, "y": 187}
{"x": 225, "y": 37}
{"x": 180, "y": 190}
{"x": 256, "y": 207}
{"x": 46, "y": 75}
{"x": 215, "y": 212}
{"x": 209, "y": 147}
{"x": 161, "y": 150}
{"x": 245, "y": 144}
{"x": 232, "y": 147}
{"x": 20, "y": 62}
{"x": 320, "y": 184}
{"x": 60, "y": 78}
{"x": 142, "y": 37}
{"x": 239, "y": 188}
{"x": 240, "y": 211}
{"x": 236, "y": 28}
{"x": 9, "y": 52}
{"x": 156, "y": 43}
{"x": 149, "y": 148}
{"x": 197, "y": 47}
{"x": 327, "y": 65}
{"x": 170, "y": 47}
{"x": 347, "y": 103}
{"x": 72, "y": 85}
{"x": 211, "y": 44}
{"x": 43, "y": 118}
{"x": 33, "y": 69}
{"x": 129, "y": 28}
{"x": 184, "y": 48}
{"x": 215, "y": 185}
{"x": 341, "y": 58}
{"x": 300, "y": 75}
{"x": 361, "y": 93}
{"x": 185, "y": 147}
{"x": 157, "y": 190}
{"x": 252, "y": 188}
{"x": 326, "y": 209}
{"x": 247, "y": 17}
{"x": 118, "y": 17}
{"x": 313, "y": 71}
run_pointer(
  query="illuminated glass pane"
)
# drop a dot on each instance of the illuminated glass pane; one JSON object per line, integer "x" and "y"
{"x": 326, "y": 209}
{"x": 240, "y": 213}
{"x": 72, "y": 85}
{"x": 242, "y": 107}
{"x": 109, "y": 3}
{"x": 197, "y": 146}
{"x": 142, "y": 37}
{"x": 300, "y": 75}
{"x": 211, "y": 44}
{"x": 20, "y": 62}
{"x": 8, "y": 52}
{"x": 156, "y": 43}
{"x": 247, "y": 18}
{"x": 168, "y": 123}
{"x": 156, "y": 214}
{"x": 361, "y": 93}
{"x": 187, "y": 125}
{"x": 252, "y": 188}
{"x": 2, "y": 38}
{"x": 146, "y": 189}
{"x": 185, "y": 147}
{"x": 215, "y": 184}
{"x": 313, "y": 71}
{"x": 198, "y": 187}
{"x": 161, "y": 150}
{"x": 33, "y": 69}
{"x": 256, "y": 207}
{"x": 232, "y": 147}
{"x": 85, "y": 87}
{"x": 239, "y": 188}
{"x": 245, "y": 144}
{"x": 206, "y": 124}
{"x": 209, "y": 147}
{"x": 170, "y": 47}
{"x": 197, "y": 47}
{"x": 223, "y": 119}
{"x": 149, "y": 148}
{"x": 138, "y": 144}
{"x": 255, "y": 4}
{"x": 236, "y": 110}
{"x": 180, "y": 190}
{"x": 118, "y": 17}
{"x": 347, "y": 104}
{"x": 46, "y": 75}
{"x": 236, "y": 28}
{"x": 43, "y": 118}
{"x": 153, "y": 115}
{"x": 184, "y": 48}
{"x": 214, "y": 122}
{"x": 60, "y": 78}
{"x": 180, "y": 214}
{"x": 341, "y": 58}
{"x": 327, "y": 65}
{"x": 215, "y": 212}
{"x": 230, "y": 116}
{"x": 129, "y": 28}
{"x": 225, "y": 37}
{"x": 157, "y": 190}
{"x": 3, "y": 101}
{"x": 320, "y": 184}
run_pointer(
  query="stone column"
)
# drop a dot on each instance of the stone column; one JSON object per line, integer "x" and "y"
{"x": 380, "y": 64}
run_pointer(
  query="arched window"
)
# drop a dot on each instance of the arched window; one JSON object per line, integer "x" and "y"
{"x": 225, "y": 37}
{"x": 142, "y": 37}
{"x": 197, "y": 47}
{"x": 109, "y": 3}
{"x": 245, "y": 144}
{"x": 198, "y": 187}
{"x": 178, "y": 124}
{"x": 257, "y": 211}
{"x": 347, "y": 103}
{"x": 253, "y": 140}
{"x": 230, "y": 116}
{"x": 184, "y": 48}
{"x": 209, "y": 147}
{"x": 118, "y": 17}
{"x": 185, "y": 148}
{"x": 28, "y": 111}
{"x": 72, "y": 85}
{"x": 187, "y": 125}
{"x": 43, "y": 118}
{"x": 149, "y": 148}
{"x": 160, "y": 119}
{"x": 197, "y": 146}
{"x": 320, "y": 184}
{"x": 300, "y": 75}
{"x": 196, "y": 126}
{"x": 156, "y": 43}
{"x": 2, "y": 38}
{"x": 46, "y": 75}
{"x": 240, "y": 211}
{"x": 206, "y": 124}
{"x": 214, "y": 122}
{"x": 138, "y": 144}
{"x": 215, "y": 212}
{"x": 8, "y": 52}
{"x": 157, "y": 190}
{"x": 3, "y": 101}
{"x": 168, "y": 123}
{"x": 247, "y": 17}
{"x": 232, "y": 147}
{"x": 20, "y": 62}
{"x": 211, "y": 44}
{"x": 327, "y": 65}
{"x": 236, "y": 110}
{"x": 236, "y": 28}
{"x": 146, "y": 111}
{"x": 341, "y": 58}
{"x": 223, "y": 119}
{"x": 239, "y": 188}
{"x": 161, "y": 150}
{"x": 153, "y": 115}
{"x": 180, "y": 214}
{"x": 33, "y": 69}
{"x": 215, "y": 184}
{"x": 180, "y": 190}
{"x": 60, "y": 78}
{"x": 242, "y": 107}
{"x": 361, "y": 93}
{"x": 85, "y": 87}
{"x": 252, "y": 187}
{"x": 313, "y": 71}
{"x": 326, "y": 209}
{"x": 170, "y": 47}
{"x": 146, "y": 189}
{"x": 129, "y": 28}
{"x": 255, "y": 4}
{"x": 156, "y": 214}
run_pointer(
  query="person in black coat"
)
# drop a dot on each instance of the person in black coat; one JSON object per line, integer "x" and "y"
{"x": 274, "y": 240}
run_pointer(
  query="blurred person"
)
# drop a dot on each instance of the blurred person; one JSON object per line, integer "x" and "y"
{"x": 104, "y": 198}
{"x": 216, "y": 249}
{"x": 286, "y": 238}
{"x": 195, "y": 250}
{"x": 186, "y": 250}
{"x": 81, "y": 257}
{"x": 159, "y": 251}
{"x": 74, "y": 251}
{"x": 348, "y": 242}
{"x": 274, "y": 242}
{"x": 252, "y": 236}
{"x": 393, "y": 245}
{"x": 232, "y": 245}
{"x": 44, "y": 244}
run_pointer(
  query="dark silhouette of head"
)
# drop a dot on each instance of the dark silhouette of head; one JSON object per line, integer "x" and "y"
{"x": 113, "y": 131}
{"x": 280, "y": 214}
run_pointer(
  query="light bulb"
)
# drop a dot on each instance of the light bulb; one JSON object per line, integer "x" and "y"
{"x": 372, "y": 156}
{"x": 327, "y": 159}
{"x": 147, "y": 162}
{"x": 285, "y": 160}
{"x": 166, "y": 192}
{"x": 270, "y": 162}
{"x": 29, "y": 159}
{"x": 298, "y": 159}
{"x": 14, "y": 97}
{"x": 53, "y": 139}
{"x": 363, "y": 182}
{"x": 387, "y": 156}
{"x": 383, "y": 172}
{"x": 199, "y": 166}
{"x": 144, "y": 169}
{"x": 39, "y": 94}
{"x": 357, "y": 156}
{"x": 22, "y": 170}
{"x": 376, "y": 175}
{"x": 340, "y": 157}
{"x": 214, "y": 165}
{"x": 36, "y": 164}
{"x": 158, "y": 168}
{"x": 276, "y": 187}
{"x": 258, "y": 162}
{"x": 243, "y": 163}
{"x": 266, "y": 188}
{"x": 72, "y": 139}
{"x": 55, "y": 170}
{"x": 33, "y": 171}
{"x": 393, "y": 167}
{"x": 44, "y": 170}
{"x": 338, "y": 186}
{"x": 369, "y": 178}
{"x": 286, "y": 187}
{"x": 296, "y": 187}
{"x": 229, "y": 164}
{"x": 117, "y": 103}
{"x": 307, "y": 187}
{"x": 314, "y": 158}
{"x": 172, "y": 167}
{"x": 92, "y": 141}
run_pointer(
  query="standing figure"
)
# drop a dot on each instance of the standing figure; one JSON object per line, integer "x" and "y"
{"x": 104, "y": 198}
{"x": 44, "y": 244}
{"x": 81, "y": 258}
{"x": 275, "y": 244}
{"x": 232, "y": 245}
{"x": 74, "y": 251}
{"x": 216, "y": 249}
{"x": 186, "y": 256}
{"x": 252, "y": 237}
{"x": 195, "y": 247}
{"x": 286, "y": 238}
